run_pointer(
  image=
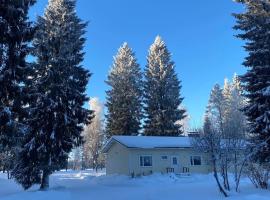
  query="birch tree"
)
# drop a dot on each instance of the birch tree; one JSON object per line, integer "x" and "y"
{"x": 209, "y": 142}
{"x": 94, "y": 136}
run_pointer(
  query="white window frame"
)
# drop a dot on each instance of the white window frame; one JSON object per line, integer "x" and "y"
{"x": 192, "y": 160}
{"x": 143, "y": 160}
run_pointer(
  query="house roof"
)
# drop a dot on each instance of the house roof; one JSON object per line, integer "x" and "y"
{"x": 149, "y": 142}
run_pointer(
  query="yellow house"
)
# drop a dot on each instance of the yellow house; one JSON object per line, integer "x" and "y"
{"x": 142, "y": 155}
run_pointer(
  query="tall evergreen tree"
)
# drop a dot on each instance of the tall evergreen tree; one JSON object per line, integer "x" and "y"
{"x": 58, "y": 87}
{"x": 124, "y": 99}
{"x": 15, "y": 34}
{"x": 255, "y": 26}
{"x": 162, "y": 93}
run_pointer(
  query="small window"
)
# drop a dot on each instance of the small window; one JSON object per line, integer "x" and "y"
{"x": 174, "y": 161}
{"x": 145, "y": 161}
{"x": 164, "y": 157}
{"x": 195, "y": 160}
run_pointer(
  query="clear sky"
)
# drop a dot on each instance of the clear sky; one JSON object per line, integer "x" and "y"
{"x": 198, "y": 34}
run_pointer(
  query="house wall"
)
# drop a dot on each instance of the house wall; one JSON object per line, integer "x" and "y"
{"x": 160, "y": 165}
{"x": 117, "y": 159}
{"x": 122, "y": 160}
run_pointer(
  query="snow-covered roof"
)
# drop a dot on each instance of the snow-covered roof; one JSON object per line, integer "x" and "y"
{"x": 149, "y": 142}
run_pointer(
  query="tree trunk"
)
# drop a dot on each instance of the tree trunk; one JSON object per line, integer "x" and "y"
{"x": 224, "y": 174}
{"x": 227, "y": 178}
{"x": 8, "y": 174}
{"x": 221, "y": 189}
{"x": 95, "y": 161}
{"x": 235, "y": 167}
{"x": 44, "y": 181}
{"x": 219, "y": 185}
{"x": 237, "y": 181}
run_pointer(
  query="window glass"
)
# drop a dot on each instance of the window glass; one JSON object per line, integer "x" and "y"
{"x": 164, "y": 157}
{"x": 195, "y": 160}
{"x": 146, "y": 161}
{"x": 174, "y": 161}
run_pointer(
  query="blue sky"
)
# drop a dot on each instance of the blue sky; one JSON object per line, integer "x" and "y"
{"x": 198, "y": 34}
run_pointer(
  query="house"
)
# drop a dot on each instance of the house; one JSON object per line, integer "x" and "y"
{"x": 142, "y": 155}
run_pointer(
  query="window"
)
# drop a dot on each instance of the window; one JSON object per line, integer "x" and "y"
{"x": 174, "y": 161}
{"x": 145, "y": 161}
{"x": 164, "y": 157}
{"x": 195, "y": 160}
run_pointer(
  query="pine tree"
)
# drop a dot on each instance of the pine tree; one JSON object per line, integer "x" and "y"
{"x": 58, "y": 87}
{"x": 16, "y": 32}
{"x": 124, "y": 99}
{"x": 162, "y": 93}
{"x": 255, "y": 26}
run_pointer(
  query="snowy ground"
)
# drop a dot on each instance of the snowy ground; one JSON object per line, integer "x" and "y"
{"x": 88, "y": 185}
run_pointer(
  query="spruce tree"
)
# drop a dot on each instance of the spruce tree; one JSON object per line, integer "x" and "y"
{"x": 16, "y": 32}
{"x": 254, "y": 25}
{"x": 124, "y": 99}
{"x": 162, "y": 93}
{"x": 58, "y": 88}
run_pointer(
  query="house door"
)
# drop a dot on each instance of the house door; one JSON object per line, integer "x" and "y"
{"x": 175, "y": 163}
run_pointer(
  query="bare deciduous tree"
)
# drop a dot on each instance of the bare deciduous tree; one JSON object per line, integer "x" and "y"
{"x": 209, "y": 141}
{"x": 94, "y": 136}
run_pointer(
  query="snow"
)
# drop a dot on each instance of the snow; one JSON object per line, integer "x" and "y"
{"x": 266, "y": 91}
{"x": 149, "y": 142}
{"x": 85, "y": 185}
